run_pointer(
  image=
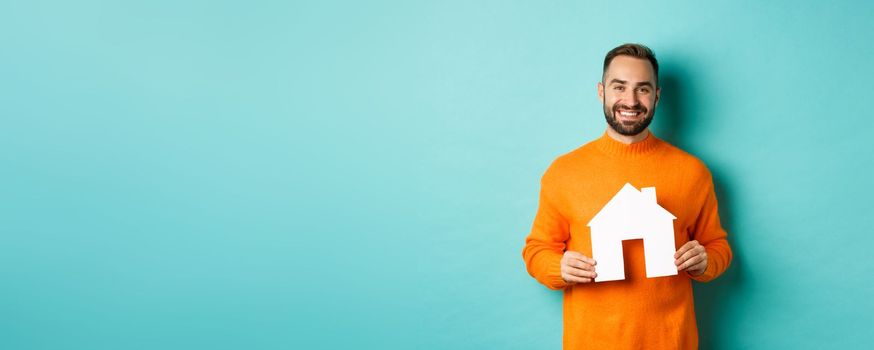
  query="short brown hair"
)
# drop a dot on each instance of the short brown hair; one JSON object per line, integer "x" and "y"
{"x": 633, "y": 50}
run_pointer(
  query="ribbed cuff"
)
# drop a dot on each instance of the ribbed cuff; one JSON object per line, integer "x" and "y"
{"x": 553, "y": 278}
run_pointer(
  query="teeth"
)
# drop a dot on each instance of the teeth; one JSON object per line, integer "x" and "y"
{"x": 628, "y": 114}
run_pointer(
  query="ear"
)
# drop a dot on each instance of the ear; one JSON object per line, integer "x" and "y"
{"x": 658, "y": 95}
{"x": 601, "y": 91}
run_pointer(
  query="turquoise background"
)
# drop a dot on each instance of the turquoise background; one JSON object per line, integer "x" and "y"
{"x": 331, "y": 175}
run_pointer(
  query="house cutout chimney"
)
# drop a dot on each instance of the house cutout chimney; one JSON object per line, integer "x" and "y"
{"x": 633, "y": 214}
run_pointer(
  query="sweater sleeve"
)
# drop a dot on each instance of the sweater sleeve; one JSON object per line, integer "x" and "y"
{"x": 545, "y": 244}
{"x": 708, "y": 231}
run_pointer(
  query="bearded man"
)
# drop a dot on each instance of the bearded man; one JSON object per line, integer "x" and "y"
{"x": 636, "y": 312}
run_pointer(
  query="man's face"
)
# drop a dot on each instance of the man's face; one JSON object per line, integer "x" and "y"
{"x": 629, "y": 94}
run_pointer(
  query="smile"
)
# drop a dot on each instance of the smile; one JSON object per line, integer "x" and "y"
{"x": 629, "y": 113}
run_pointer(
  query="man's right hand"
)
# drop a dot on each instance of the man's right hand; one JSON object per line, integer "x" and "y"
{"x": 577, "y": 268}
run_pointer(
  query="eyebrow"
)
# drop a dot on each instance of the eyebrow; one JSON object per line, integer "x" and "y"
{"x": 645, "y": 83}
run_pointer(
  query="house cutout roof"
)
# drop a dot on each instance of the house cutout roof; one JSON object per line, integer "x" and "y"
{"x": 628, "y": 204}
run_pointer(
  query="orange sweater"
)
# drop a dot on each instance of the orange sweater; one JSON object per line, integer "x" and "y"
{"x": 638, "y": 312}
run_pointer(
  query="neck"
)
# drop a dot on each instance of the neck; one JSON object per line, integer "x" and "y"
{"x": 627, "y": 139}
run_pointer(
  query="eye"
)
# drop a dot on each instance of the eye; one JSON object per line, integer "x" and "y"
{"x": 644, "y": 90}
{"x": 619, "y": 88}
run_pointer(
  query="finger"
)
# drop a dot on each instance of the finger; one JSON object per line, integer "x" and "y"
{"x": 690, "y": 253}
{"x": 581, "y": 273}
{"x": 581, "y": 265}
{"x": 694, "y": 260}
{"x": 574, "y": 254}
{"x": 687, "y": 255}
{"x": 685, "y": 247}
{"x": 584, "y": 258}
{"x": 699, "y": 267}
{"x": 575, "y": 279}
{"x": 682, "y": 250}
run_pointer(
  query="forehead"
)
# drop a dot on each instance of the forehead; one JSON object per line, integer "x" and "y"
{"x": 630, "y": 69}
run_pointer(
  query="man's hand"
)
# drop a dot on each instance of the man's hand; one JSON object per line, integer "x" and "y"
{"x": 577, "y": 268}
{"x": 691, "y": 257}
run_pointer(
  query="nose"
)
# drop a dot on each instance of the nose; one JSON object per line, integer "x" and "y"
{"x": 634, "y": 98}
{"x": 631, "y": 97}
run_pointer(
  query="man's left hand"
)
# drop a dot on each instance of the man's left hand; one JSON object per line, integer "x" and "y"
{"x": 691, "y": 257}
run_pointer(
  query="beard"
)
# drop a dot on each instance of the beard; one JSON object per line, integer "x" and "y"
{"x": 628, "y": 129}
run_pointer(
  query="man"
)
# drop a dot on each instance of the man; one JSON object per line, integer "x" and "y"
{"x": 637, "y": 312}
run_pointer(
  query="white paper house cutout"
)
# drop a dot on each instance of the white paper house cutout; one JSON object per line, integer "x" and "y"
{"x": 633, "y": 214}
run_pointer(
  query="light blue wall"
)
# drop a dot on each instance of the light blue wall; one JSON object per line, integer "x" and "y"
{"x": 219, "y": 175}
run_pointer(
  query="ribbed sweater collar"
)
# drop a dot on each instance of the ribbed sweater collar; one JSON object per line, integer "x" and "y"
{"x": 615, "y": 148}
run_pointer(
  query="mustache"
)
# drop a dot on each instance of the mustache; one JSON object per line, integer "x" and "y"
{"x": 635, "y": 108}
